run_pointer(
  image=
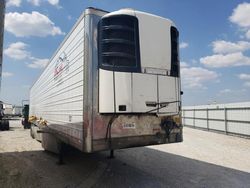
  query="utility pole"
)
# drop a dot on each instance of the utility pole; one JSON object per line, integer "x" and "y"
{"x": 2, "y": 13}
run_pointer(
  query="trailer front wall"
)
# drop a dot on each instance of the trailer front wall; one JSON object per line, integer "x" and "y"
{"x": 57, "y": 96}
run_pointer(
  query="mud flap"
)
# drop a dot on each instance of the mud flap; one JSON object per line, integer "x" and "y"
{"x": 173, "y": 132}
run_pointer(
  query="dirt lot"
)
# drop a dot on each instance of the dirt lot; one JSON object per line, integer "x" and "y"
{"x": 204, "y": 159}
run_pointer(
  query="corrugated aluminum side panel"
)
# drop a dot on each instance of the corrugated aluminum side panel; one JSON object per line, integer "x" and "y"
{"x": 57, "y": 96}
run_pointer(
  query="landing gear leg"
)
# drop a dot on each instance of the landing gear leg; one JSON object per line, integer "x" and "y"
{"x": 60, "y": 155}
{"x": 111, "y": 156}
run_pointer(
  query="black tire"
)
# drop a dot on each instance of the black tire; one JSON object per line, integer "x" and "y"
{"x": 1, "y": 126}
{"x": 26, "y": 124}
{"x": 6, "y": 125}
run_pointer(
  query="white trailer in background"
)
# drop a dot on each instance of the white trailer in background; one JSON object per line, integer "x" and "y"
{"x": 114, "y": 82}
{"x": 17, "y": 110}
{"x": 8, "y": 109}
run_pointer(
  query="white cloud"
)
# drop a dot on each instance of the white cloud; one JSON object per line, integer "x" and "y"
{"x": 247, "y": 84}
{"x": 241, "y": 17}
{"x": 54, "y": 2}
{"x": 38, "y": 2}
{"x": 228, "y": 60}
{"x": 35, "y": 2}
{"x": 184, "y": 65}
{"x": 248, "y": 34}
{"x": 15, "y": 3}
{"x": 17, "y": 51}
{"x": 26, "y": 86}
{"x": 230, "y": 54}
{"x": 34, "y": 24}
{"x": 221, "y": 46}
{"x": 38, "y": 63}
{"x": 246, "y": 78}
{"x": 229, "y": 95}
{"x": 7, "y": 74}
{"x": 195, "y": 77}
{"x": 69, "y": 17}
{"x": 194, "y": 61}
{"x": 183, "y": 45}
{"x": 224, "y": 91}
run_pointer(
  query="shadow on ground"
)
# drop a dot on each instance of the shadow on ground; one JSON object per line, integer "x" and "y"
{"x": 135, "y": 167}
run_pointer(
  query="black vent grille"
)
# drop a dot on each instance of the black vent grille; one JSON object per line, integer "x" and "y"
{"x": 119, "y": 44}
{"x": 174, "y": 52}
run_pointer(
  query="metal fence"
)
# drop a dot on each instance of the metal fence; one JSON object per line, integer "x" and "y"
{"x": 232, "y": 120}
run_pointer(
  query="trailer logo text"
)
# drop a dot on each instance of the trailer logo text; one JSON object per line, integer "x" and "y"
{"x": 61, "y": 67}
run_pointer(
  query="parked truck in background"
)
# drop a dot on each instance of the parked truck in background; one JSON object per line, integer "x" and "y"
{"x": 8, "y": 109}
{"x": 114, "y": 82}
{"x": 4, "y": 122}
{"x": 17, "y": 110}
{"x": 25, "y": 119}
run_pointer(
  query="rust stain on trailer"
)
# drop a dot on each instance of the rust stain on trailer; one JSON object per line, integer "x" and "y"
{"x": 126, "y": 125}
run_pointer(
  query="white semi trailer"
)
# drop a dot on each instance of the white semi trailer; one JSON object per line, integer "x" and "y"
{"x": 114, "y": 82}
{"x": 17, "y": 110}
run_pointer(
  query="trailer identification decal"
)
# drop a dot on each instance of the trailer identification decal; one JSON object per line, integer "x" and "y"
{"x": 61, "y": 67}
{"x": 129, "y": 126}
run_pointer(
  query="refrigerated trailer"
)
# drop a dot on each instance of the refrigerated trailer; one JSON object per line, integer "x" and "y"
{"x": 114, "y": 82}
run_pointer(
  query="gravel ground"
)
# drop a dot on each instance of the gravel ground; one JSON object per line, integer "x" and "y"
{"x": 204, "y": 159}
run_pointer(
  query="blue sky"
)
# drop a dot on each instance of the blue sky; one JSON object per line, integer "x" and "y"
{"x": 214, "y": 43}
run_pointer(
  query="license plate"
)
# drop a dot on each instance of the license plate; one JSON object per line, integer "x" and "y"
{"x": 129, "y": 126}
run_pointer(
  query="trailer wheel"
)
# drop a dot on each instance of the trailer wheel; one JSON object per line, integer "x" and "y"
{"x": 4, "y": 125}
{"x": 1, "y": 125}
